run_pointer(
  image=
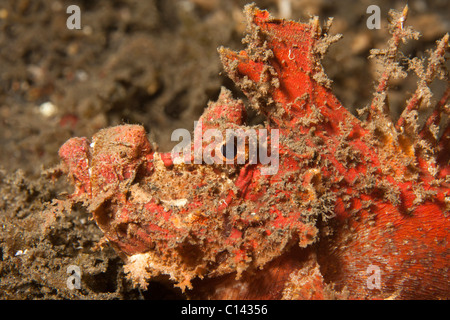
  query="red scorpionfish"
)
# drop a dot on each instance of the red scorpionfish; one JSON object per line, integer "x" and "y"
{"x": 354, "y": 209}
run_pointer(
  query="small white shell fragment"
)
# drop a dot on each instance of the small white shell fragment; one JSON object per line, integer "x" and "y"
{"x": 176, "y": 203}
{"x": 81, "y": 75}
{"x": 48, "y": 109}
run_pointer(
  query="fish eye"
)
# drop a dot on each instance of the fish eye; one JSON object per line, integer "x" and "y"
{"x": 229, "y": 149}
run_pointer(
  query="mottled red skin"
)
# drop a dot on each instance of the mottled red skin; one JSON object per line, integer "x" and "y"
{"x": 414, "y": 253}
{"x": 406, "y": 238}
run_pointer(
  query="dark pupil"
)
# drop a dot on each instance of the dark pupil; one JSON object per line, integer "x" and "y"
{"x": 229, "y": 150}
